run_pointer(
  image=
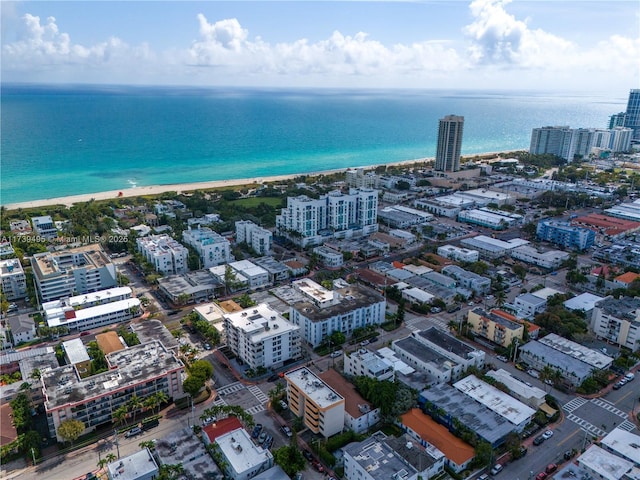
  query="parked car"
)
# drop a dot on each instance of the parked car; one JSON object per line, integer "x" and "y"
{"x": 283, "y": 404}
{"x": 533, "y": 373}
{"x": 307, "y": 454}
{"x": 629, "y": 376}
{"x": 552, "y": 467}
{"x": 286, "y": 430}
{"x": 364, "y": 343}
{"x": 207, "y": 346}
{"x": 568, "y": 455}
{"x": 538, "y": 440}
{"x": 318, "y": 466}
{"x": 268, "y": 442}
{"x": 273, "y": 378}
{"x": 520, "y": 367}
{"x": 208, "y": 421}
{"x": 256, "y": 430}
{"x": 497, "y": 468}
{"x": 262, "y": 437}
{"x": 618, "y": 385}
{"x": 374, "y": 339}
{"x": 133, "y": 432}
{"x": 548, "y": 434}
{"x": 541, "y": 476}
{"x": 336, "y": 354}
{"x": 502, "y": 358}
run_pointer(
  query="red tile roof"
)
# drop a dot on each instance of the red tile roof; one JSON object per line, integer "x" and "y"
{"x": 454, "y": 448}
{"x": 218, "y": 429}
{"x": 351, "y": 398}
{"x": 8, "y": 432}
{"x": 627, "y": 277}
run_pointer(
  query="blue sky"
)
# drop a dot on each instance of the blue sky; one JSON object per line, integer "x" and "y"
{"x": 498, "y": 44}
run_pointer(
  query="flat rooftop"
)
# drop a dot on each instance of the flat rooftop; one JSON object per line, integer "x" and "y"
{"x": 322, "y": 394}
{"x": 624, "y": 444}
{"x": 424, "y": 354}
{"x": 475, "y": 416}
{"x": 500, "y": 320}
{"x": 185, "y": 448}
{"x": 495, "y": 245}
{"x": 352, "y": 298}
{"x": 56, "y": 317}
{"x": 260, "y": 322}
{"x": 497, "y": 401}
{"x": 607, "y": 465}
{"x": 211, "y": 312}
{"x": 151, "y": 330}
{"x": 624, "y": 308}
{"x": 248, "y": 268}
{"x": 380, "y": 460}
{"x": 587, "y": 355}
{"x": 446, "y": 341}
{"x": 516, "y": 385}
{"x": 76, "y": 351}
{"x": 134, "y": 466}
{"x": 557, "y": 359}
{"x": 354, "y": 404}
{"x": 314, "y": 291}
{"x": 87, "y": 256}
{"x": 240, "y": 451}
{"x": 131, "y": 366}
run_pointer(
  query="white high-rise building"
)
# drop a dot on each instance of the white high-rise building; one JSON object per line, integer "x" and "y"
{"x": 258, "y": 238}
{"x": 165, "y": 254}
{"x": 12, "y": 277}
{"x": 621, "y": 139}
{"x": 450, "y": 130}
{"x": 212, "y": 247}
{"x": 306, "y": 221}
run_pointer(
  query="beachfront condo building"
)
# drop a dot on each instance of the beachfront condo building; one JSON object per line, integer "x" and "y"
{"x": 13, "y": 279}
{"x": 262, "y": 337}
{"x": 44, "y": 227}
{"x": 258, "y": 238}
{"x": 450, "y": 130}
{"x": 165, "y": 254}
{"x": 139, "y": 370}
{"x": 308, "y": 222}
{"x": 322, "y": 312}
{"x": 212, "y": 247}
{"x": 71, "y": 272}
{"x": 552, "y": 140}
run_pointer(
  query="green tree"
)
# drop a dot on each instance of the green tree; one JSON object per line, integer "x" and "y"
{"x": 120, "y": 415}
{"x": 290, "y": 459}
{"x": 70, "y": 429}
{"x": 192, "y": 385}
{"x": 201, "y": 369}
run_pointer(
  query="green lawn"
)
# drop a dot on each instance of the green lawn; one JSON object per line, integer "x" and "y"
{"x": 255, "y": 201}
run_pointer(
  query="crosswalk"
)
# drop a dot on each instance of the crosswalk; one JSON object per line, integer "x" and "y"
{"x": 219, "y": 402}
{"x": 574, "y": 404}
{"x": 586, "y": 425}
{"x": 609, "y": 407}
{"x": 627, "y": 425}
{"x": 259, "y": 394}
{"x": 256, "y": 409}
{"x": 232, "y": 387}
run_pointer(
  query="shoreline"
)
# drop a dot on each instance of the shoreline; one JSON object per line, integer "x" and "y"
{"x": 69, "y": 200}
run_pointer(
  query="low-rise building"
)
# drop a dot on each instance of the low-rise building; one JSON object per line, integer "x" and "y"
{"x": 140, "y": 370}
{"x": 492, "y": 247}
{"x": 22, "y": 327}
{"x": 76, "y": 354}
{"x": 440, "y": 279}
{"x": 44, "y": 227}
{"x": 529, "y": 395}
{"x": 564, "y": 234}
{"x": 329, "y": 257}
{"x": 322, "y": 311}
{"x": 12, "y": 279}
{"x": 429, "y": 433}
{"x": 259, "y": 239}
{"x": 469, "y": 280}
{"x": 165, "y": 254}
{"x": 458, "y": 254}
{"x": 490, "y": 218}
{"x": 359, "y": 415}
{"x": 528, "y": 306}
{"x": 495, "y": 328}
{"x": 320, "y": 407}
{"x": 277, "y": 271}
{"x": 254, "y": 275}
{"x": 73, "y": 271}
{"x": 137, "y": 466}
{"x": 585, "y": 302}
{"x": 515, "y": 412}
{"x": 604, "y": 465}
{"x": 242, "y": 459}
{"x": 261, "y": 337}
{"x": 190, "y": 287}
{"x": 624, "y": 444}
{"x": 382, "y": 458}
{"x": 212, "y": 247}
{"x": 595, "y": 358}
{"x": 417, "y": 295}
{"x": 549, "y": 259}
{"x": 365, "y": 363}
{"x": 618, "y": 321}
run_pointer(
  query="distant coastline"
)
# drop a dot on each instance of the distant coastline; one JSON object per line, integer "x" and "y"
{"x": 189, "y": 187}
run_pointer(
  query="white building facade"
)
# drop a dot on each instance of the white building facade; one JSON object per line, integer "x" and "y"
{"x": 212, "y": 247}
{"x": 258, "y": 238}
{"x": 165, "y": 254}
{"x": 12, "y": 278}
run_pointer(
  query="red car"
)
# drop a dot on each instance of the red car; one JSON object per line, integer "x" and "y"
{"x": 318, "y": 466}
{"x": 541, "y": 476}
{"x": 552, "y": 467}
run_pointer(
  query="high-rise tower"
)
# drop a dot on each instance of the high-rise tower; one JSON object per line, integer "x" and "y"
{"x": 632, "y": 119}
{"x": 449, "y": 143}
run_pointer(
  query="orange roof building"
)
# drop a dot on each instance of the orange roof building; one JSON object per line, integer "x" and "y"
{"x": 8, "y": 432}
{"x": 458, "y": 453}
{"x": 533, "y": 330}
{"x": 109, "y": 342}
{"x": 230, "y": 306}
{"x": 220, "y": 428}
{"x": 626, "y": 278}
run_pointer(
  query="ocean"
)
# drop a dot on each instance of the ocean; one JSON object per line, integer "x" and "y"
{"x": 59, "y": 141}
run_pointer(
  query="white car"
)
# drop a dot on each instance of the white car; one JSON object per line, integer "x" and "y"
{"x": 547, "y": 435}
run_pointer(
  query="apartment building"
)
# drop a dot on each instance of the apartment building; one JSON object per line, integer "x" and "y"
{"x": 167, "y": 255}
{"x": 495, "y": 328}
{"x": 365, "y": 363}
{"x": 562, "y": 233}
{"x": 320, "y": 407}
{"x": 12, "y": 279}
{"x": 140, "y": 370}
{"x": 259, "y": 239}
{"x": 358, "y": 178}
{"x": 44, "y": 227}
{"x": 242, "y": 459}
{"x": 212, "y": 247}
{"x": 306, "y": 221}
{"x": 137, "y": 466}
{"x": 618, "y": 321}
{"x": 469, "y": 280}
{"x": 261, "y": 337}
{"x": 458, "y": 254}
{"x": 329, "y": 257}
{"x": 491, "y": 248}
{"x": 97, "y": 309}
{"x": 71, "y": 272}
{"x": 323, "y": 311}
{"x": 490, "y": 218}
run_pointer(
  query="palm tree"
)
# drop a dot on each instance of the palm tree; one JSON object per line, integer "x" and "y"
{"x": 276, "y": 392}
{"x": 120, "y": 415}
{"x": 150, "y": 444}
{"x": 111, "y": 457}
{"x": 135, "y": 404}
{"x": 161, "y": 398}
{"x": 501, "y": 298}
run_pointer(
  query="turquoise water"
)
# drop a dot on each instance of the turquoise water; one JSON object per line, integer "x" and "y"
{"x": 74, "y": 140}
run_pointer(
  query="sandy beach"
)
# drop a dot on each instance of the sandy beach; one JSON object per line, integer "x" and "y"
{"x": 187, "y": 187}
